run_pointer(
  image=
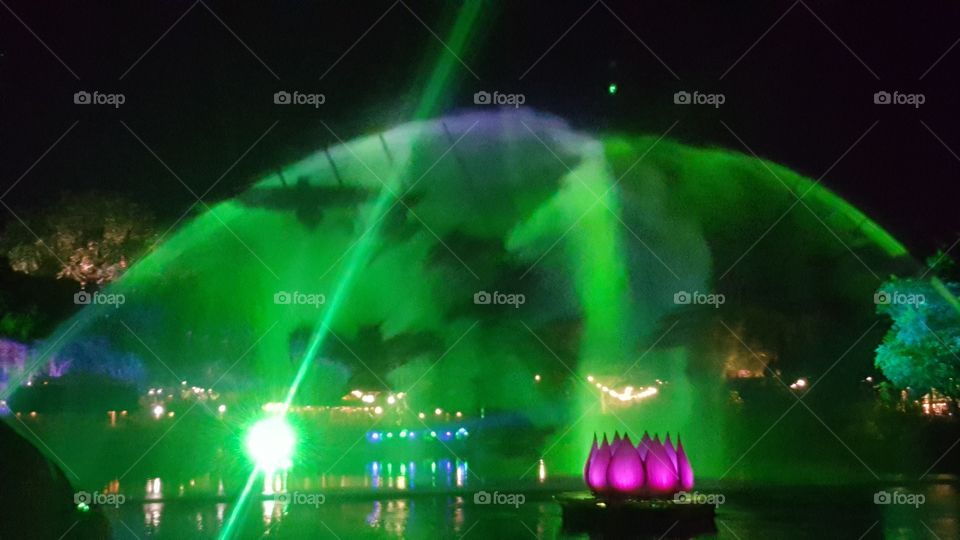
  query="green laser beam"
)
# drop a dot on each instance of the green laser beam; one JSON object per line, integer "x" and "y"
{"x": 438, "y": 81}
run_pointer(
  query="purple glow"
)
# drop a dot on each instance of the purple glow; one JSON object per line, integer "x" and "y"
{"x": 597, "y": 476}
{"x": 625, "y": 472}
{"x": 644, "y": 445}
{"x": 13, "y": 359}
{"x": 661, "y": 475}
{"x": 671, "y": 451}
{"x": 683, "y": 466}
{"x": 590, "y": 456}
{"x": 619, "y": 468}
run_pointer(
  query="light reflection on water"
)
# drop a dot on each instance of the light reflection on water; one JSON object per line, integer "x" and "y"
{"x": 152, "y": 513}
{"x": 272, "y": 511}
{"x": 278, "y": 486}
{"x": 391, "y": 516}
{"x": 748, "y": 513}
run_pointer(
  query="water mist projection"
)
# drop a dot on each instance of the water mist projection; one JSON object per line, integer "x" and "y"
{"x": 547, "y": 284}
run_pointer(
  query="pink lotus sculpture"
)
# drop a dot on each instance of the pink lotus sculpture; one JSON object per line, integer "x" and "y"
{"x": 650, "y": 468}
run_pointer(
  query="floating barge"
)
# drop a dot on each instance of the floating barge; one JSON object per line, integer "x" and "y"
{"x": 584, "y": 513}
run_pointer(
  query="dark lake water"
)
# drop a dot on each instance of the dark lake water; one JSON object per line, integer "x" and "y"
{"x": 926, "y": 510}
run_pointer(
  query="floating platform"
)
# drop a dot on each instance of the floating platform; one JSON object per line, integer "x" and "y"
{"x": 584, "y": 513}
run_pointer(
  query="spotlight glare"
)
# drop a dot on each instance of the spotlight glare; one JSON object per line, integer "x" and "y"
{"x": 270, "y": 444}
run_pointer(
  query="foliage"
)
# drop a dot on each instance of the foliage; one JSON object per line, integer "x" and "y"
{"x": 88, "y": 238}
{"x": 17, "y": 325}
{"x": 921, "y": 351}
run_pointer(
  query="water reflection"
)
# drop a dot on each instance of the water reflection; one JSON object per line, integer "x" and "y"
{"x": 373, "y": 518}
{"x": 933, "y": 505}
{"x": 272, "y": 512}
{"x": 458, "y": 515}
{"x": 390, "y": 516}
{"x": 151, "y": 515}
{"x": 152, "y": 511}
{"x": 443, "y": 473}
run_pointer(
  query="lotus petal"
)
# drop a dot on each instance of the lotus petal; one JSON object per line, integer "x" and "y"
{"x": 586, "y": 466}
{"x": 683, "y": 466}
{"x": 661, "y": 475}
{"x": 644, "y": 445}
{"x": 597, "y": 475}
{"x": 625, "y": 471}
{"x": 671, "y": 451}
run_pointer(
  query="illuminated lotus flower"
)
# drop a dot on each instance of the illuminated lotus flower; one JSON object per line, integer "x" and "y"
{"x": 625, "y": 472}
{"x": 684, "y": 468}
{"x": 661, "y": 475}
{"x": 597, "y": 473}
{"x": 651, "y": 467}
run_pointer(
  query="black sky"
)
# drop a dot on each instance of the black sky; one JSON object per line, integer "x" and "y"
{"x": 799, "y": 80}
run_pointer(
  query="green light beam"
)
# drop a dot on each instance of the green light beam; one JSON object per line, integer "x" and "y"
{"x": 439, "y": 80}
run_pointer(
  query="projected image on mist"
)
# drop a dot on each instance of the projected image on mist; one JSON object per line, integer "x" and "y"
{"x": 605, "y": 240}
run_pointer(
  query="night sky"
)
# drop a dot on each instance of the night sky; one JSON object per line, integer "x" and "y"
{"x": 199, "y": 78}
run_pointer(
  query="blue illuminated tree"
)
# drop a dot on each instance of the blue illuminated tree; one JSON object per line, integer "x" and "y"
{"x": 921, "y": 351}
